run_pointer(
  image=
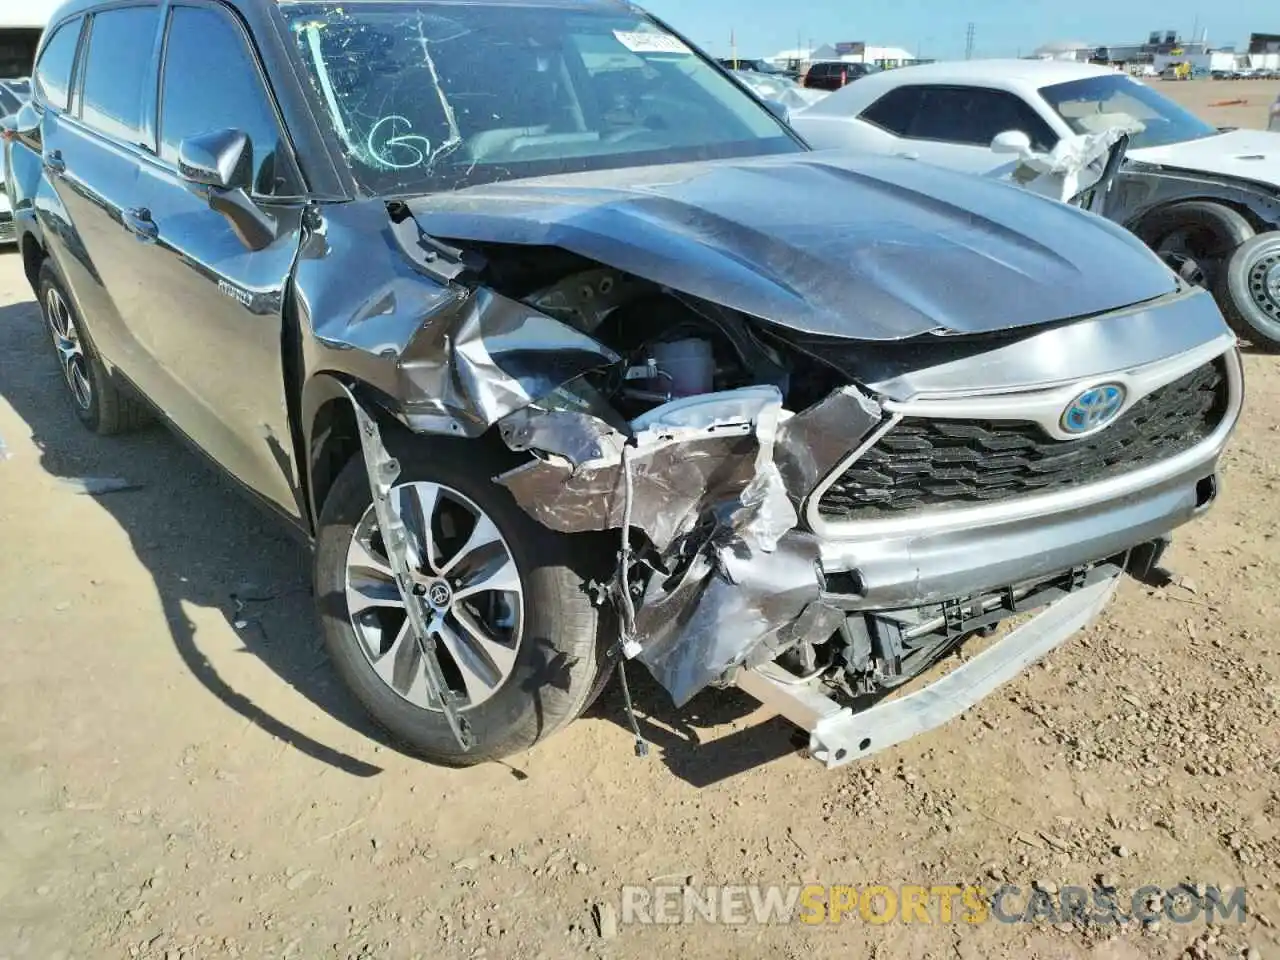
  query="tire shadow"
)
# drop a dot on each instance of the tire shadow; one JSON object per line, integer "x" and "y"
{"x": 202, "y": 542}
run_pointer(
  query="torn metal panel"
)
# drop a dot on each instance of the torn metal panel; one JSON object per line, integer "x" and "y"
{"x": 1074, "y": 165}
{"x": 698, "y": 476}
{"x": 686, "y": 456}
{"x": 730, "y": 599}
{"x": 573, "y": 422}
{"x": 488, "y": 358}
{"x": 449, "y": 360}
{"x": 895, "y": 249}
{"x": 812, "y": 442}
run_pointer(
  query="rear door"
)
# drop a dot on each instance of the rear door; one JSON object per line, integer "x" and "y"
{"x": 94, "y": 132}
{"x": 213, "y": 319}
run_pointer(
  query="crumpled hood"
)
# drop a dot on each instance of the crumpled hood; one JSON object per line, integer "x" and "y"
{"x": 827, "y": 243}
{"x": 1248, "y": 154}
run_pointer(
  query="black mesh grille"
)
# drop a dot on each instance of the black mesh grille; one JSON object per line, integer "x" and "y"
{"x": 943, "y": 463}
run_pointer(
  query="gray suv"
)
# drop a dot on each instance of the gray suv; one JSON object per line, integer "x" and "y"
{"x": 565, "y": 352}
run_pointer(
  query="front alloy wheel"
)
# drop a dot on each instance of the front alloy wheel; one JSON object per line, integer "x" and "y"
{"x": 463, "y": 568}
{"x": 520, "y": 640}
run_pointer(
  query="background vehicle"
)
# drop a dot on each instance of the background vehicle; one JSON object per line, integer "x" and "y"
{"x": 777, "y": 88}
{"x": 1274, "y": 124}
{"x": 589, "y": 359}
{"x": 755, "y": 66}
{"x": 1206, "y": 200}
{"x": 834, "y": 74}
{"x": 13, "y": 94}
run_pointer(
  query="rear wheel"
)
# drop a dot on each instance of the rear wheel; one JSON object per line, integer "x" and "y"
{"x": 97, "y": 401}
{"x": 519, "y": 639}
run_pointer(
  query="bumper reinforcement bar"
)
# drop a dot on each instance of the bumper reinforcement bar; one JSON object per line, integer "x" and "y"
{"x": 837, "y": 735}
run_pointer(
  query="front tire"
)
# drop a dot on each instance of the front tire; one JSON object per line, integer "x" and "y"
{"x": 521, "y": 642}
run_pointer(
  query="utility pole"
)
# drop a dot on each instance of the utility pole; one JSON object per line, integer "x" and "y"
{"x": 968, "y": 42}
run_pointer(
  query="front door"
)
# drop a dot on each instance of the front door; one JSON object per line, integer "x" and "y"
{"x": 214, "y": 320}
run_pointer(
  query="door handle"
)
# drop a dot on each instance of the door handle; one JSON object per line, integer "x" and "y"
{"x": 56, "y": 165}
{"x": 138, "y": 222}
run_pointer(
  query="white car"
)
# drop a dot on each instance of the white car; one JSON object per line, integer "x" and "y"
{"x": 779, "y": 89}
{"x": 1206, "y": 200}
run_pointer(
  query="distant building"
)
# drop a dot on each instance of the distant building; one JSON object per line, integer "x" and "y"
{"x": 1161, "y": 48}
{"x": 884, "y": 57}
{"x": 21, "y": 23}
{"x": 1064, "y": 50}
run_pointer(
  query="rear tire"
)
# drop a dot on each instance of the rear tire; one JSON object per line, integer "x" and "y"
{"x": 562, "y": 651}
{"x": 98, "y": 402}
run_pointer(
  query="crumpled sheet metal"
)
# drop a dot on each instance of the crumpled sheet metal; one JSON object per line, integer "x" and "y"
{"x": 489, "y": 358}
{"x": 813, "y": 441}
{"x": 715, "y": 481}
{"x": 686, "y": 456}
{"x": 1074, "y": 164}
{"x": 728, "y": 602}
{"x": 450, "y": 360}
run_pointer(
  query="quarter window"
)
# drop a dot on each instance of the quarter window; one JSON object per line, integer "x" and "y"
{"x": 895, "y": 111}
{"x": 212, "y": 82}
{"x": 53, "y": 72}
{"x": 117, "y": 70}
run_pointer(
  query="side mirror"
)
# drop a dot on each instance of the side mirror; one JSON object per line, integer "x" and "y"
{"x": 222, "y": 162}
{"x": 1011, "y": 141}
{"x": 26, "y": 122}
{"x": 779, "y": 110}
{"x": 222, "y": 159}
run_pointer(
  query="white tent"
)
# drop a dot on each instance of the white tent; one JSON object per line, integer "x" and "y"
{"x": 26, "y": 13}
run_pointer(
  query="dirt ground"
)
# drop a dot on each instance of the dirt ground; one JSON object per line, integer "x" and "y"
{"x": 180, "y": 776}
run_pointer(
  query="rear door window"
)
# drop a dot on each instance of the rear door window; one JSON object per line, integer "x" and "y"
{"x": 117, "y": 71}
{"x": 53, "y": 72}
{"x": 212, "y": 82}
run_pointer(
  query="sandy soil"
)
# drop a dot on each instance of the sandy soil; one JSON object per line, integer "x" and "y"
{"x": 180, "y": 776}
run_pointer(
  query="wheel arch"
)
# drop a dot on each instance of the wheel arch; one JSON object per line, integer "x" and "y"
{"x": 1142, "y": 223}
{"x": 330, "y": 437}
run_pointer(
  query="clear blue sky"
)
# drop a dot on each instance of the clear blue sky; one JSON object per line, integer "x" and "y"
{"x": 937, "y": 27}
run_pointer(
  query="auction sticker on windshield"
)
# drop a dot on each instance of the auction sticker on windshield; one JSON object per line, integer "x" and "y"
{"x": 647, "y": 42}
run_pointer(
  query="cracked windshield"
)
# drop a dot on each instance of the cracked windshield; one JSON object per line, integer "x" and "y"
{"x": 431, "y": 96}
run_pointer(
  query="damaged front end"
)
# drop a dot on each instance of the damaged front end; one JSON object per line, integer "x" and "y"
{"x": 816, "y": 518}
